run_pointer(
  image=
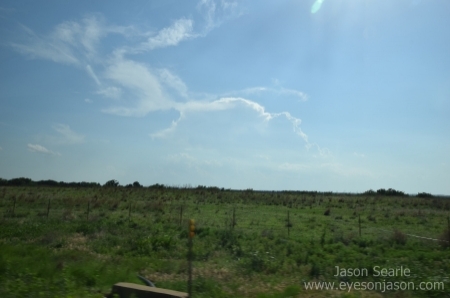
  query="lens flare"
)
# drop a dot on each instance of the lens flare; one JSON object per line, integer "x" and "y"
{"x": 316, "y": 6}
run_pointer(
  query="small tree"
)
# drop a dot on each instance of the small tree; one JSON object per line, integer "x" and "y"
{"x": 111, "y": 183}
{"x": 136, "y": 184}
{"x": 424, "y": 195}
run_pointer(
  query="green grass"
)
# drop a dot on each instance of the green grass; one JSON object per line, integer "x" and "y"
{"x": 72, "y": 253}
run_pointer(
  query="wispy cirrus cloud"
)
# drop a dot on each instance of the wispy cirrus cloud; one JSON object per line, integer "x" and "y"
{"x": 280, "y": 91}
{"x": 180, "y": 30}
{"x": 322, "y": 152}
{"x": 92, "y": 74}
{"x": 45, "y": 48}
{"x": 110, "y": 92}
{"x": 69, "y": 42}
{"x": 143, "y": 90}
{"x": 215, "y": 13}
{"x": 40, "y": 149}
{"x": 143, "y": 86}
{"x": 67, "y": 135}
{"x": 228, "y": 103}
{"x": 173, "y": 81}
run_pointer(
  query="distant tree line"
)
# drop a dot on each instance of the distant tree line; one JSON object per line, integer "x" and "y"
{"x": 386, "y": 192}
{"x": 424, "y": 195}
{"x": 28, "y": 182}
{"x": 394, "y": 193}
{"x": 114, "y": 183}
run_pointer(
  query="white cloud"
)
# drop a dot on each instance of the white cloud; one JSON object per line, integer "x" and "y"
{"x": 301, "y": 95}
{"x": 110, "y": 92}
{"x": 45, "y": 48}
{"x": 70, "y": 42}
{"x": 91, "y": 34}
{"x": 226, "y": 104}
{"x": 229, "y": 102}
{"x": 173, "y": 81}
{"x": 229, "y": 5}
{"x": 40, "y": 149}
{"x": 87, "y": 100}
{"x": 323, "y": 152}
{"x": 92, "y": 74}
{"x": 208, "y": 7}
{"x": 276, "y": 91}
{"x": 76, "y": 42}
{"x": 163, "y": 133}
{"x": 68, "y": 136}
{"x": 180, "y": 30}
{"x": 214, "y": 14}
{"x": 144, "y": 86}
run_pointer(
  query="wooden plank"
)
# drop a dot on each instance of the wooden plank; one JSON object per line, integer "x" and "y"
{"x": 126, "y": 290}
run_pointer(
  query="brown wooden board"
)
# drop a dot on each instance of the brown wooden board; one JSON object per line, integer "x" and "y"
{"x": 126, "y": 290}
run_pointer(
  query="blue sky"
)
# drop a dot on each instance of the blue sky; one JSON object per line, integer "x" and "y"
{"x": 327, "y": 95}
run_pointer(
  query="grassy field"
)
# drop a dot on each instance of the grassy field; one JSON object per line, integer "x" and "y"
{"x": 78, "y": 242}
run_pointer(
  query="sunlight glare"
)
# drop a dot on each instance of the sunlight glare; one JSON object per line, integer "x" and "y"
{"x": 316, "y": 6}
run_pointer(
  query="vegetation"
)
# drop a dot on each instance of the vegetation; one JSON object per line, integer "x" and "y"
{"x": 78, "y": 239}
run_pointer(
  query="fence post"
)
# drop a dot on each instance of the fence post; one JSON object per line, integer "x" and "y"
{"x": 448, "y": 227}
{"x": 190, "y": 255}
{"x": 129, "y": 213}
{"x": 87, "y": 217}
{"x": 14, "y": 206}
{"x": 359, "y": 223}
{"x": 288, "y": 223}
{"x": 48, "y": 208}
{"x": 234, "y": 218}
{"x": 181, "y": 214}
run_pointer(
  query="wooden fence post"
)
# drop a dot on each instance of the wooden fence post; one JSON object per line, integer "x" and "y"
{"x": 191, "y": 232}
{"x": 181, "y": 214}
{"x": 48, "y": 208}
{"x": 448, "y": 227}
{"x": 288, "y": 224}
{"x": 359, "y": 223}
{"x": 14, "y": 206}
{"x": 129, "y": 213}
{"x": 234, "y": 218}
{"x": 87, "y": 217}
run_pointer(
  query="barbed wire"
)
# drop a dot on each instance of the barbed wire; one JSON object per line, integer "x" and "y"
{"x": 243, "y": 217}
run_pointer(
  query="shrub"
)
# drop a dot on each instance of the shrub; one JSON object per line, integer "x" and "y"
{"x": 399, "y": 237}
{"x": 445, "y": 238}
{"x": 268, "y": 234}
{"x": 228, "y": 239}
{"x": 424, "y": 195}
{"x": 314, "y": 271}
{"x": 260, "y": 262}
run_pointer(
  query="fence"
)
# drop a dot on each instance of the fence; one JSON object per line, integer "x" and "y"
{"x": 302, "y": 220}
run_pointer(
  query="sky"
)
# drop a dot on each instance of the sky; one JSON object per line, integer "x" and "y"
{"x": 326, "y": 95}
